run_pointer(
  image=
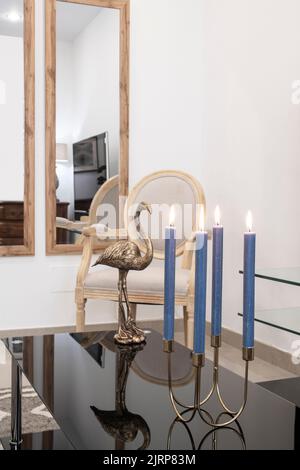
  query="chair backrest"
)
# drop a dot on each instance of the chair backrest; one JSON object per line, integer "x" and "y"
{"x": 105, "y": 205}
{"x": 162, "y": 190}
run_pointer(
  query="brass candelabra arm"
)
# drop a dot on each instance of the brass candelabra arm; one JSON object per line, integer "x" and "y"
{"x": 217, "y": 386}
{"x": 175, "y": 402}
{"x": 198, "y": 363}
{"x": 234, "y": 415}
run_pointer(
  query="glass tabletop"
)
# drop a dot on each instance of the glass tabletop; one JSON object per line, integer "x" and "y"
{"x": 284, "y": 275}
{"x": 286, "y": 319}
{"x": 47, "y": 440}
{"x": 107, "y": 397}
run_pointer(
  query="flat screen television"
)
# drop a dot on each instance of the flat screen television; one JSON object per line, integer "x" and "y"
{"x": 91, "y": 170}
{"x": 92, "y": 154}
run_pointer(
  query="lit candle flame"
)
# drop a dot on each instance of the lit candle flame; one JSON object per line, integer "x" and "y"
{"x": 202, "y": 218}
{"x": 172, "y": 216}
{"x": 218, "y": 216}
{"x": 249, "y": 221}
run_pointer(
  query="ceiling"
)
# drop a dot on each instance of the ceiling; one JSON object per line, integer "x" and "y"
{"x": 72, "y": 18}
{"x": 8, "y": 28}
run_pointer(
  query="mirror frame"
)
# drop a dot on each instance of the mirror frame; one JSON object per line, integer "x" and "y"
{"x": 124, "y": 7}
{"x": 28, "y": 249}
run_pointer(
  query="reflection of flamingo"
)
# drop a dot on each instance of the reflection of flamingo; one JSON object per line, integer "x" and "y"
{"x": 120, "y": 423}
{"x": 126, "y": 256}
{"x": 123, "y": 427}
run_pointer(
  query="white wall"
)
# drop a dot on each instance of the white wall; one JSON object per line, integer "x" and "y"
{"x": 12, "y": 119}
{"x": 210, "y": 94}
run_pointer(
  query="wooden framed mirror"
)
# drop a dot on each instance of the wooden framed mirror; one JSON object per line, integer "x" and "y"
{"x": 87, "y": 109}
{"x": 17, "y": 102}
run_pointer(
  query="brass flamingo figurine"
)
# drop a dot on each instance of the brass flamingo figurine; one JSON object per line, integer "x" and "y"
{"x": 126, "y": 256}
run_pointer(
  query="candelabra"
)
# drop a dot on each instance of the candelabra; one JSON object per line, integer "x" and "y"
{"x": 198, "y": 361}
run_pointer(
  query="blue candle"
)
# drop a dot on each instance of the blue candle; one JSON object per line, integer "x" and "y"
{"x": 217, "y": 277}
{"x": 170, "y": 265}
{"x": 249, "y": 286}
{"x": 200, "y": 291}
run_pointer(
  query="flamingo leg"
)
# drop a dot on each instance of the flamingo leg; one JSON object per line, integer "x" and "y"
{"x": 125, "y": 293}
{"x": 124, "y": 335}
{"x": 130, "y": 324}
{"x": 122, "y": 318}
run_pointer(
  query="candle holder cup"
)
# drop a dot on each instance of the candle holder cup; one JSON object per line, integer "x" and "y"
{"x": 198, "y": 360}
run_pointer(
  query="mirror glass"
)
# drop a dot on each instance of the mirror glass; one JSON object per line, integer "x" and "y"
{"x": 87, "y": 107}
{"x": 12, "y": 116}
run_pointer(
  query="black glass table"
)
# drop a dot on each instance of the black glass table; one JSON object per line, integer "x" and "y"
{"x": 106, "y": 397}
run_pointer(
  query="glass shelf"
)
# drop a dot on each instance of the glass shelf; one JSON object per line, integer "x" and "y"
{"x": 286, "y": 319}
{"x": 289, "y": 276}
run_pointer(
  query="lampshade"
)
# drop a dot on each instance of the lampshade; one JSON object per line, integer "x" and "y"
{"x": 62, "y": 153}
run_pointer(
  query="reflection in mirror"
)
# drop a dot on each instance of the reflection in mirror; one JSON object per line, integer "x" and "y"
{"x": 12, "y": 123}
{"x": 87, "y": 108}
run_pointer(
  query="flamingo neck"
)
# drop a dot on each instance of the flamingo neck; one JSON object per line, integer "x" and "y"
{"x": 144, "y": 237}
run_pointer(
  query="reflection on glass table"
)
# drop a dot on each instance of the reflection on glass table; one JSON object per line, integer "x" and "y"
{"x": 119, "y": 423}
{"x": 32, "y": 425}
{"x": 48, "y": 440}
{"x": 86, "y": 380}
{"x": 211, "y": 439}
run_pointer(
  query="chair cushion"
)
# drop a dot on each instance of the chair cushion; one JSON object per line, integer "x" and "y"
{"x": 150, "y": 281}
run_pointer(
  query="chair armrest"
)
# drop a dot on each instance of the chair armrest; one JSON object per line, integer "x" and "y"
{"x": 66, "y": 224}
{"x": 102, "y": 232}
